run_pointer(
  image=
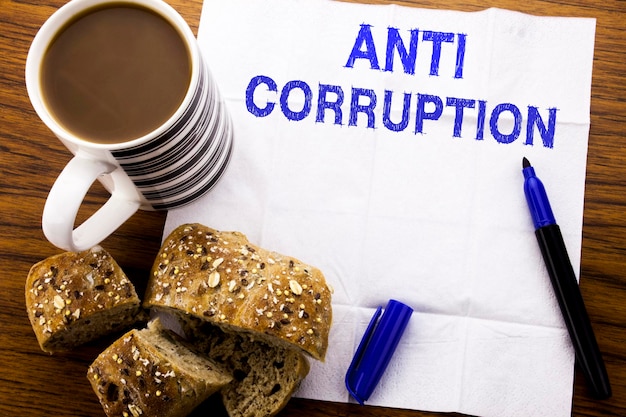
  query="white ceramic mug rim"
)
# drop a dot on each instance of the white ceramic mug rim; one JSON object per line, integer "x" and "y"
{"x": 56, "y": 21}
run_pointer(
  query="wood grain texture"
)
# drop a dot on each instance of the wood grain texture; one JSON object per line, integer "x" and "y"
{"x": 34, "y": 384}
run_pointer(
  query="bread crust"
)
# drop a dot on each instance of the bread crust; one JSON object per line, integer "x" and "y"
{"x": 222, "y": 278}
{"x": 73, "y": 298}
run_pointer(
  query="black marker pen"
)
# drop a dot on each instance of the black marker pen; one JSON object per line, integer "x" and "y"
{"x": 565, "y": 284}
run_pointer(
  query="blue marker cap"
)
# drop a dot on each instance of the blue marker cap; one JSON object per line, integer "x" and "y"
{"x": 376, "y": 349}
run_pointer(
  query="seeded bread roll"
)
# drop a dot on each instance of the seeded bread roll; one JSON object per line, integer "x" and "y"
{"x": 221, "y": 278}
{"x": 149, "y": 372}
{"x": 73, "y": 298}
{"x": 265, "y": 376}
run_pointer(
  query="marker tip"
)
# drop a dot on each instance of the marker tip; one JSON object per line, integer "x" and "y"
{"x": 525, "y": 163}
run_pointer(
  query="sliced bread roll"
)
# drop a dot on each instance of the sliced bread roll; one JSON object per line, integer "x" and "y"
{"x": 149, "y": 372}
{"x": 73, "y": 298}
{"x": 221, "y": 278}
{"x": 265, "y": 376}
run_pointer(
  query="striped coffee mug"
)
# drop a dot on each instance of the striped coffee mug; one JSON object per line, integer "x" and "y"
{"x": 172, "y": 165}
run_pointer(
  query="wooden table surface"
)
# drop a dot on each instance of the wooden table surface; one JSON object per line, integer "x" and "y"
{"x": 35, "y": 384}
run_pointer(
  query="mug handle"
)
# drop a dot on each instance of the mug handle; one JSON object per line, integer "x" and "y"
{"x": 66, "y": 197}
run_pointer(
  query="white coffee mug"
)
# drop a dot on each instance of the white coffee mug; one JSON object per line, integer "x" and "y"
{"x": 171, "y": 166}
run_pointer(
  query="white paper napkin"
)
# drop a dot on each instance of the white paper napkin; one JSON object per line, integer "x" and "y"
{"x": 430, "y": 212}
